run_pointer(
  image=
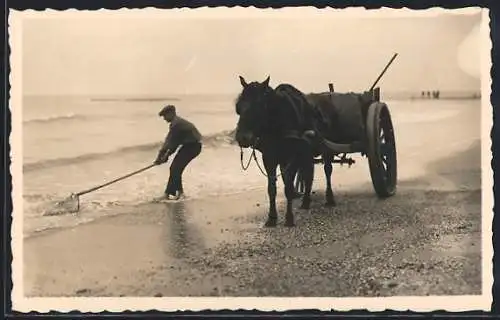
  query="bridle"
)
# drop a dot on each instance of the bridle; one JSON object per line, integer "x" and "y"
{"x": 254, "y": 157}
{"x": 253, "y": 154}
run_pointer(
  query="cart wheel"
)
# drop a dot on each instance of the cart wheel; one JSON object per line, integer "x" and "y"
{"x": 299, "y": 184}
{"x": 381, "y": 149}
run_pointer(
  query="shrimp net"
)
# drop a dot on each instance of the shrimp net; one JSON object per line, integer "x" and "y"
{"x": 68, "y": 205}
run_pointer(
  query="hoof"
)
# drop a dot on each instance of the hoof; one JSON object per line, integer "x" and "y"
{"x": 289, "y": 223}
{"x": 306, "y": 203}
{"x": 330, "y": 204}
{"x": 270, "y": 223}
{"x": 305, "y": 206}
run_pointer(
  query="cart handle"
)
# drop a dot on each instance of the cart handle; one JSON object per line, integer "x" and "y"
{"x": 383, "y": 71}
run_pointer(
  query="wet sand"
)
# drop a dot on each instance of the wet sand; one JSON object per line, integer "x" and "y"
{"x": 425, "y": 240}
{"x": 121, "y": 255}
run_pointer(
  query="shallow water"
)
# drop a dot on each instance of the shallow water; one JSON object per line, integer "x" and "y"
{"x": 74, "y": 143}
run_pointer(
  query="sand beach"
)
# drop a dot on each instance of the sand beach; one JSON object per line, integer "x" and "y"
{"x": 426, "y": 240}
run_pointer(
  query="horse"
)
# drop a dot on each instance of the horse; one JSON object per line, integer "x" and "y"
{"x": 283, "y": 125}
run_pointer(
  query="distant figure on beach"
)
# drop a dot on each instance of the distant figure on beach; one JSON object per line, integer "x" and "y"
{"x": 435, "y": 94}
{"x": 182, "y": 133}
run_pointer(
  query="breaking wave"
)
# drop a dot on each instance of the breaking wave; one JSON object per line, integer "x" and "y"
{"x": 50, "y": 119}
{"x": 225, "y": 137}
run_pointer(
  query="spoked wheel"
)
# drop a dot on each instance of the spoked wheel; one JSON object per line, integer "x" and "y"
{"x": 299, "y": 184}
{"x": 381, "y": 150}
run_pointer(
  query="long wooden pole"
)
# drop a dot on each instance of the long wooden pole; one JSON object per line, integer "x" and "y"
{"x": 383, "y": 71}
{"x": 115, "y": 180}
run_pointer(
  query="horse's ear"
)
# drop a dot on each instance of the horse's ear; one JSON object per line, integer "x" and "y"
{"x": 266, "y": 82}
{"x": 243, "y": 82}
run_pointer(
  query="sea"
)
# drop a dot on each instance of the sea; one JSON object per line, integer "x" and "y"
{"x": 73, "y": 143}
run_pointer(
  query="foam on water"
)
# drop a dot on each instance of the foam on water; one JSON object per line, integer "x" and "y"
{"x": 80, "y": 143}
{"x": 75, "y": 143}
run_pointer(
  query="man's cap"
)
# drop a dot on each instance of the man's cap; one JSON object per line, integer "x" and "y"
{"x": 167, "y": 109}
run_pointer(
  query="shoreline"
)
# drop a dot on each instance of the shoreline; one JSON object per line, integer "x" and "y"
{"x": 218, "y": 247}
{"x": 141, "y": 227}
{"x": 425, "y": 240}
{"x": 124, "y": 209}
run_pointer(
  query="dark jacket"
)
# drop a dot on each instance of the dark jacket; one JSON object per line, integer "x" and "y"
{"x": 181, "y": 132}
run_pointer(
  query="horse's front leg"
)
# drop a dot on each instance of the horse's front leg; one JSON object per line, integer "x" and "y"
{"x": 270, "y": 164}
{"x": 328, "y": 166}
{"x": 288, "y": 173}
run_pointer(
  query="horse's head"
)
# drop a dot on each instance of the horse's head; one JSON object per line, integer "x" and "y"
{"x": 252, "y": 109}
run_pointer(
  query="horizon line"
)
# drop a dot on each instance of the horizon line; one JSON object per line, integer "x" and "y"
{"x": 173, "y": 95}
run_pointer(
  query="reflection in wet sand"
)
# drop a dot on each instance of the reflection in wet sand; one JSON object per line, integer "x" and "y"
{"x": 182, "y": 237}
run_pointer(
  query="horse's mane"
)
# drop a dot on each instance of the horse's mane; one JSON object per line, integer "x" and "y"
{"x": 286, "y": 87}
{"x": 297, "y": 101}
{"x": 292, "y": 109}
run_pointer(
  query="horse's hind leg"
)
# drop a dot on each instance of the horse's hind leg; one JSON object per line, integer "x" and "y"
{"x": 328, "y": 166}
{"x": 308, "y": 175}
{"x": 298, "y": 178}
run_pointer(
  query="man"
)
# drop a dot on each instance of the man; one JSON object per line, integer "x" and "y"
{"x": 182, "y": 133}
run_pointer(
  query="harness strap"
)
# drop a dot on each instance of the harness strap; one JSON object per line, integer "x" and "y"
{"x": 254, "y": 157}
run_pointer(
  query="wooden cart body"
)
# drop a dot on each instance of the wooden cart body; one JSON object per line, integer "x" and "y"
{"x": 373, "y": 137}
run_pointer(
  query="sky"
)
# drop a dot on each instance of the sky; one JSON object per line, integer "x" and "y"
{"x": 160, "y": 54}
